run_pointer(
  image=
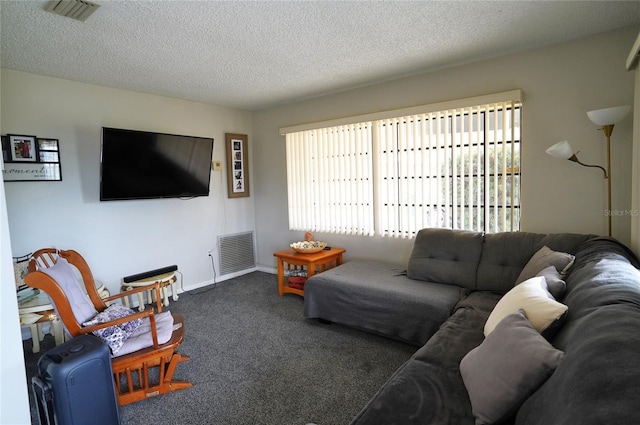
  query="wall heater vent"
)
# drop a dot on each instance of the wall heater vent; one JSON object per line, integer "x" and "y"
{"x": 236, "y": 252}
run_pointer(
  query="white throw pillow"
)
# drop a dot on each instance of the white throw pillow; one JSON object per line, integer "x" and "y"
{"x": 533, "y": 297}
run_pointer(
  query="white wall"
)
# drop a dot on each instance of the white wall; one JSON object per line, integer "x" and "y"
{"x": 560, "y": 83}
{"x": 117, "y": 238}
{"x": 14, "y": 398}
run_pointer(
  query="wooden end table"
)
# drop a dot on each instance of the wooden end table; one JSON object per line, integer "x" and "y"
{"x": 314, "y": 263}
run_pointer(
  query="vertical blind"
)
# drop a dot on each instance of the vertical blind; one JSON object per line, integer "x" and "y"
{"x": 455, "y": 168}
{"x": 330, "y": 180}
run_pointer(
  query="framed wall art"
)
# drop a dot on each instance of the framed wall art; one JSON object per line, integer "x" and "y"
{"x": 48, "y": 150}
{"x": 22, "y": 148}
{"x": 237, "y": 165}
{"x": 28, "y": 158}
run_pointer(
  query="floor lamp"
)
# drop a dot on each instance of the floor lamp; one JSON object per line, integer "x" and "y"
{"x": 606, "y": 118}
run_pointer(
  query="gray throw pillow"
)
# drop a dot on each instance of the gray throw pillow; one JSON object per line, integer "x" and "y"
{"x": 555, "y": 284}
{"x": 511, "y": 363}
{"x": 544, "y": 258}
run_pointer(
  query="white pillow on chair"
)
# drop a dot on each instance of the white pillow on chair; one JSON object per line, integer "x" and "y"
{"x": 64, "y": 275}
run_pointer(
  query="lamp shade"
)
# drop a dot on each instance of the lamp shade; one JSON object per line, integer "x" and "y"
{"x": 561, "y": 150}
{"x": 608, "y": 116}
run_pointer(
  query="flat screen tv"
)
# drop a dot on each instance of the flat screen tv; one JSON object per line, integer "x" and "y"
{"x": 145, "y": 165}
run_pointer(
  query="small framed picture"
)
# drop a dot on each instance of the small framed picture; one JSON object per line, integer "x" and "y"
{"x": 237, "y": 165}
{"x": 48, "y": 150}
{"x": 48, "y": 144}
{"x": 23, "y": 148}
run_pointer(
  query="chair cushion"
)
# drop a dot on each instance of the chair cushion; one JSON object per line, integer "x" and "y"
{"x": 116, "y": 335}
{"x": 64, "y": 275}
{"x": 141, "y": 337}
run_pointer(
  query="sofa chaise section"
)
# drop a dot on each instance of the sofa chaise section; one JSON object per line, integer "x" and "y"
{"x": 379, "y": 297}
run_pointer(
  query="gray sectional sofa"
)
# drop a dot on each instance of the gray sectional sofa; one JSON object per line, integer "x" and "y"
{"x": 580, "y": 367}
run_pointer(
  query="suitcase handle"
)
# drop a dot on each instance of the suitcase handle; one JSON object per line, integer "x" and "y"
{"x": 56, "y": 358}
{"x": 44, "y": 400}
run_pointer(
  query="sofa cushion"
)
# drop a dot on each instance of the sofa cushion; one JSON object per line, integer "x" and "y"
{"x": 504, "y": 255}
{"x": 446, "y": 256}
{"x": 544, "y": 258}
{"x": 506, "y": 368}
{"x": 531, "y": 296}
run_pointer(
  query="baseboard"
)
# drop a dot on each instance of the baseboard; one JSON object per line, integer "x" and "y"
{"x": 272, "y": 270}
{"x": 216, "y": 281}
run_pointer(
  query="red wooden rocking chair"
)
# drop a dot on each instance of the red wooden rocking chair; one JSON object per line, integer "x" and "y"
{"x": 130, "y": 370}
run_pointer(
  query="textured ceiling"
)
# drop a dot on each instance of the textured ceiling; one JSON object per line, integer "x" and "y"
{"x": 252, "y": 55}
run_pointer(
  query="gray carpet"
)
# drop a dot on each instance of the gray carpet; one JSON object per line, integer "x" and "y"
{"x": 256, "y": 360}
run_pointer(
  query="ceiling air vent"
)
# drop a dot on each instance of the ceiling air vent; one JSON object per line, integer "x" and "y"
{"x": 75, "y": 9}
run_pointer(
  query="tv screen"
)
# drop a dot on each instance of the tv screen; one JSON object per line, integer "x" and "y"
{"x": 145, "y": 165}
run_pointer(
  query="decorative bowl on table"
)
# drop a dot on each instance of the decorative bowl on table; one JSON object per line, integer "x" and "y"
{"x": 308, "y": 247}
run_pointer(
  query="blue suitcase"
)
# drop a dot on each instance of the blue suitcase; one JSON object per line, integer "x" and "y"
{"x": 75, "y": 385}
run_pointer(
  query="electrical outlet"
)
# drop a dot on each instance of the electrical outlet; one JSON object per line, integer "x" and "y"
{"x": 217, "y": 165}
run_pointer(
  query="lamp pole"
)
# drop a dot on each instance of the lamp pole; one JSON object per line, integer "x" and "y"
{"x": 608, "y": 129}
{"x": 606, "y": 118}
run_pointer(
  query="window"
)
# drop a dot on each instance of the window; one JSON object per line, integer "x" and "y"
{"x": 456, "y": 168}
